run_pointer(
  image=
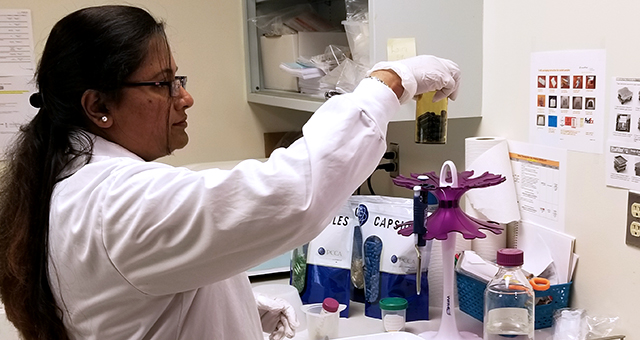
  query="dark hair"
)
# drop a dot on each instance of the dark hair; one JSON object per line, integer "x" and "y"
{"x": 94, "y": 48}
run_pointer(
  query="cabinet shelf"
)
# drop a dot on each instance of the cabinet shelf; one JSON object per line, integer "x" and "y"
{"x": 291, "y": 100}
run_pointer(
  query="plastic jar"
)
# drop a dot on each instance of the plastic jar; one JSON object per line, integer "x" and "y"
{"x": 431, "y": 119}
{"x": 394, "y": 311}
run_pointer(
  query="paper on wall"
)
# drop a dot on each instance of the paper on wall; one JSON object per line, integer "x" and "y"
{"x": 16, "y": 43}
{"x": 17, "y": 70}
{"x": 540, "y": 177}
{"x": 622, "y": 163}
{"x": 567, "y": 99}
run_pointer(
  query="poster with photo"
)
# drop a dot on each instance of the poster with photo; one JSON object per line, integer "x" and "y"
{"x": 623, "y": 145}
{"x": 567, "y": 99}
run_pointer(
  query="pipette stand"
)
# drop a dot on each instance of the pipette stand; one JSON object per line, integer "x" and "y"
{"x": 448, "y": 328}
{"x": 444, "y": 224}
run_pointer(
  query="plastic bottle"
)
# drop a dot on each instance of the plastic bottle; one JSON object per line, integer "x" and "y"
{"x": 329, "y": 306}
{"x": 323, "y": 324}
{"x": 509, "y": 300}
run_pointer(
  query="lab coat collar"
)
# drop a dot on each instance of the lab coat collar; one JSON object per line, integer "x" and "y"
{"x": 102, "y": 150}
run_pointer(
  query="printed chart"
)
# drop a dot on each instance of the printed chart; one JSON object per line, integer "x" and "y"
{"x": 568, "y": 100}
{"x": 623, "y": 150}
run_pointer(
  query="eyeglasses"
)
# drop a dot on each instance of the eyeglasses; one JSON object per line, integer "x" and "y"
{"x": 174, "y": 85}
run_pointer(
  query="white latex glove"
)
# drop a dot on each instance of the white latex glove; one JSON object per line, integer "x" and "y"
{"x": 424, "y": 73}
{"x": 277, "y": 317}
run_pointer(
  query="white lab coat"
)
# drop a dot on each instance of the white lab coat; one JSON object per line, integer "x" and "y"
{"x": 144, "y": 250}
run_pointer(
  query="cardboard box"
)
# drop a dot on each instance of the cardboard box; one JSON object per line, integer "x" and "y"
{"x": 286, "y": 49}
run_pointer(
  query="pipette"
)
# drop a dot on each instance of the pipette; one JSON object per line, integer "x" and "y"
{"x": 419, "y": 225}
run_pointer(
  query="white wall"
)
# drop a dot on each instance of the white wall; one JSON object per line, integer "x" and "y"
{"x": 607, "y": 276}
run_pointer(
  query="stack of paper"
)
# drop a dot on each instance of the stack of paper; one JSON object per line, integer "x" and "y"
{"x": 314, "y": 87}
{"x": 302, "y": 71}
{"x": 544, "y": 248}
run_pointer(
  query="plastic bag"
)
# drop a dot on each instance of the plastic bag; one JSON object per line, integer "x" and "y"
{"x": 357, "y": 10}
{"x": 328, "y": 262}
{"x": 600, "y": 326}
{"x": 358, "y": 38}
{"x": 389, "y": 258}
{"x": 345, "y": 77}
{"x": 332, "y": 57}
{"x": 576, "y": 324}
{"x": 272, "y": 24}
{"x": 290, "y": 20}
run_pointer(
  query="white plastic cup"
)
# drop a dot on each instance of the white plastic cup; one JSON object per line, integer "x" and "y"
{"x": 321, "y": 326}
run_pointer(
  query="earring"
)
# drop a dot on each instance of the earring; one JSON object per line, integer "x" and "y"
{"x": 104, "y": 119}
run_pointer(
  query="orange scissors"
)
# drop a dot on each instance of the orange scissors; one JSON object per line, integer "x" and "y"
{"x": 540, "y": 283}
{"x": 537, "y": 283}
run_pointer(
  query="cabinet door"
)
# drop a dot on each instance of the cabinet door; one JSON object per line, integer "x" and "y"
{"x": 447, "y": 29}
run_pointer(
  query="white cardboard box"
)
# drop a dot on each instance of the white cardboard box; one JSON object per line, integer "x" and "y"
{"x": 286, "y": 49}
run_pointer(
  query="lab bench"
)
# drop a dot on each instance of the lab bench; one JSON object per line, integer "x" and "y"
{"x": 357, "y": 324}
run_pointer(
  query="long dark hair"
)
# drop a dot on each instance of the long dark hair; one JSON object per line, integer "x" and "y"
{"x": 94, "y": 48}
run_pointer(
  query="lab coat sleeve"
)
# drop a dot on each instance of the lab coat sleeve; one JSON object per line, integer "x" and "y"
{"x": 171, "y": 229}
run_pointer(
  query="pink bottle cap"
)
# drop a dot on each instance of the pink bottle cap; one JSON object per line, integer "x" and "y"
{"x": 510, "y": 257}
{"x": 330, "y": 305}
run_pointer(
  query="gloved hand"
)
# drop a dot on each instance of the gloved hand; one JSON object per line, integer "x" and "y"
{"x": 277, "y": 317}
{"x": 424, "y": 73}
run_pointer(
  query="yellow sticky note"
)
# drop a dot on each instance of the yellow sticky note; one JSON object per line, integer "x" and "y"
{"x": 401, "y": 48}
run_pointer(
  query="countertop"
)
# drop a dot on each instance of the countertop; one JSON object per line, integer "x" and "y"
{"x": 358, "y": 324}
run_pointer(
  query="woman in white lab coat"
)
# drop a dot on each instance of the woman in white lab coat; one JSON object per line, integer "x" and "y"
{"x": 100, "y": 242}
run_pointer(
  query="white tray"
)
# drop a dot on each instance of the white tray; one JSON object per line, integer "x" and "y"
{"x": 385, "y": 336}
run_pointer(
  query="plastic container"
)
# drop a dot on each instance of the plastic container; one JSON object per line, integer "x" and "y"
{"x": 431, "y": 119}
{"x": 509, "y": 300}
{"x": 394, "y": 313}
{"x": 323, "y": 320}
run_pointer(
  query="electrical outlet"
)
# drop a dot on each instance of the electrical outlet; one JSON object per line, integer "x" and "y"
{"x": 635, "y": 209}
{"x": 395, "y": 148}
{"x": 633, "y": 220}
{"x": 634, "y": 229}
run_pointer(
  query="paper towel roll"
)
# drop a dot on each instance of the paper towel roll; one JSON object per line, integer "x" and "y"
{"x": 497, "y": 203}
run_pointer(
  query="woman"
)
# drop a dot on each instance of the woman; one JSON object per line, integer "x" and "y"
{"x": 100, "y": 242}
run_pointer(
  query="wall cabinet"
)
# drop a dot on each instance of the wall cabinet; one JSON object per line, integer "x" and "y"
{"x": 448, "y": 29}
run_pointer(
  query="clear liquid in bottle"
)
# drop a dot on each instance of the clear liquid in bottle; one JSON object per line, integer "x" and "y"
{"x": 509, "y": 301}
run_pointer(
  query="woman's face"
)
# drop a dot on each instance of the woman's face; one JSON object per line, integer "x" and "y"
{"x": 140, "y": 121}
